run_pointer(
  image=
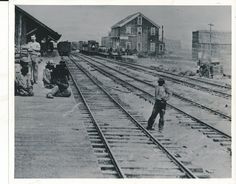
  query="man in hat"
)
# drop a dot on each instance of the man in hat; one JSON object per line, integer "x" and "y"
{"x": 162, "y": 94}
{"x": 34, "y": 52}
{"x": 24, "y": 62}
{"x": 63, "y": 64}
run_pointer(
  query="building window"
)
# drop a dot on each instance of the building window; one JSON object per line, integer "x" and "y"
{"x": 139, "y": 30}
{"x": 153, "y": 30}
{"x": 152, "y": 47}
{"x": 139, "y": 38}
{"x": 139, "y": 20}
{"x": 128, "y": 30}
{"x": 128, "y": 45}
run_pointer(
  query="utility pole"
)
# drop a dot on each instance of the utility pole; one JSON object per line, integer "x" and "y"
{"x": 210, "y": 38}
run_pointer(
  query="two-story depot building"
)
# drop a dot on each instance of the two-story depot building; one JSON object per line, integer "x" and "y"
{"x": 138, "y": 33}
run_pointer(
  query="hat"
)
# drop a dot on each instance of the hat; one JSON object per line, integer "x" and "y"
{"x": 24, "y": 59}
{"x": 62, "y": 62}
{"x": 50, "y": 62}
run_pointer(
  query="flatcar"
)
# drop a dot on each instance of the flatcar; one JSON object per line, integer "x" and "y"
{"x": 64, "y": 48}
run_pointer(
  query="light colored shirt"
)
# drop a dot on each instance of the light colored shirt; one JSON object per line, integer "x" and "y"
{"x": 47, "y": 75}
{"x": 23, "y": 81}
{"x": 162, "y": 93}
{"x": 34, "y": 48}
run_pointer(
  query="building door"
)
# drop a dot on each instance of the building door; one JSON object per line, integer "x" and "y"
{"x": 152, "y": 47}
{"x": 139, "y": 46}
{"x": 161, "y": 48}
{"x": 128, "y": 45}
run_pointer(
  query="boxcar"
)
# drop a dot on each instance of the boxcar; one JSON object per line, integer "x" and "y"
{"x": 64, "y": 48}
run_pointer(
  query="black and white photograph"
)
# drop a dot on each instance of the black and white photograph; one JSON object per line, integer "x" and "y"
{"x": 122, "y": 91}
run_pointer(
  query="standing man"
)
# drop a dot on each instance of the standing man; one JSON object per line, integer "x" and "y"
{"x": 34, "y": 53}
{"x": 162, "y": 94}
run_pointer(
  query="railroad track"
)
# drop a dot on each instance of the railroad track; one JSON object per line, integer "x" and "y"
{"x": 207, "y": 129}
{"x": 207, "y": 86}
{"x": 123, "y": 146}
{"x": 181, "y": 97}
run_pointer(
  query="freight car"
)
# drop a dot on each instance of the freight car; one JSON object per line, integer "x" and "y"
{"x": 64, "y": 48}
{"x": 74, "y": 46}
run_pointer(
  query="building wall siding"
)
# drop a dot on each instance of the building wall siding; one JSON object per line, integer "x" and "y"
{"x": 220, "y": 46}
{"x": 106, "y": 42}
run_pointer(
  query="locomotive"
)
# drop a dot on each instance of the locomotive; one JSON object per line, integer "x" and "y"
{"x": 89, "y": 48}
{"x": 64, "y": 48}
{"x": 92, "y": 48}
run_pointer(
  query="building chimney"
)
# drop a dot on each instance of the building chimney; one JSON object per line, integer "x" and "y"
{"x": 162, "y": 34}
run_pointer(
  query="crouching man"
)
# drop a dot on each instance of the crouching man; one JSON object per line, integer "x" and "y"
{"x": 60, "y": 81}
{"x": 23, "y": 86}
{"x": 162, "y": 94}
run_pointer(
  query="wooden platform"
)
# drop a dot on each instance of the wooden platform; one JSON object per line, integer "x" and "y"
{"x": 50, "y": 138}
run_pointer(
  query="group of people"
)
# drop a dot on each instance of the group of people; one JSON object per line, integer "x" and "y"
{"x": 205, "y": 69}
{"x": 28, "y": 75}
{"x": 55, "y": 77}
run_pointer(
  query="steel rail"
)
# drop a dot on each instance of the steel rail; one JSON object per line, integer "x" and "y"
{"x": 136, "y": 66}
{"x": 150, "y": 68}
{"x": 115, "y": 163}
{"x": 152, "y": 99}
{"x": 153, "y": 139}
{"x": 174, "y": 94}
{"x": 196, "y": 86}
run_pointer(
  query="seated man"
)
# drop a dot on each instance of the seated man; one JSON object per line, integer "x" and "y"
{"x": 23, "y": 86}
{"x": 47, "y": 78}
{"x": 60, "y": 81}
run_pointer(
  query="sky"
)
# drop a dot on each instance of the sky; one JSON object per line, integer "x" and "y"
{"x": 79, "y": 22}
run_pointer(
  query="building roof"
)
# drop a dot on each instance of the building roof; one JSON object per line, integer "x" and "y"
{"x": 51, "y": 33}
{"x": 132, "y": 17}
